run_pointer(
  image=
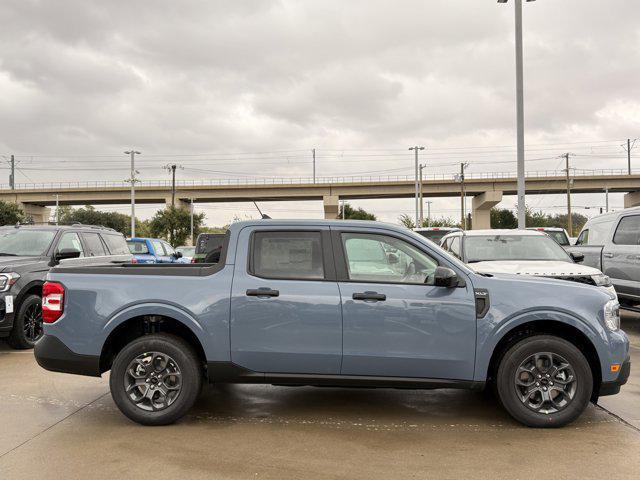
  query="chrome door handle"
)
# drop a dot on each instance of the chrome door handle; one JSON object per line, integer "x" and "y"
{"x": 607, "y": 255}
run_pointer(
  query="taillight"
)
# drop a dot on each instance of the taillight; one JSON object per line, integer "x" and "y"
{"x": 193, "y": 260}
{"x": 52, "y": 301}
{"x": 134, "y": 260}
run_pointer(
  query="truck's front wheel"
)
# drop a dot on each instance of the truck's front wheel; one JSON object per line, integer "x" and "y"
{"x": 544, "y": 381}
{"x": 155, "y": 379}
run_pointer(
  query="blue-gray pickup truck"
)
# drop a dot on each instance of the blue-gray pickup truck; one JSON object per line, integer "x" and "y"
{"x": 337, "y": 304}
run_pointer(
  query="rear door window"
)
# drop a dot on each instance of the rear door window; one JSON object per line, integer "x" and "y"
{"x": 287, "y": 255}
{"x": 628, "y": 231}
{"x": 95, "y": 247}
{"x": 138, "y": 247}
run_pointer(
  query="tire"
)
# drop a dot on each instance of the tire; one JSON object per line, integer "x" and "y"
{"x": 562, "y": 393}
{"x": 158, "y": 394}
{"x": 27, "y": 324}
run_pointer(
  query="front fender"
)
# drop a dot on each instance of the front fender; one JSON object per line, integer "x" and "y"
{"x": 492, "y": 330}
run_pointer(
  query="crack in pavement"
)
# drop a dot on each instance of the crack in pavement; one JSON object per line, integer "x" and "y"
{"x": 53, "y": 425}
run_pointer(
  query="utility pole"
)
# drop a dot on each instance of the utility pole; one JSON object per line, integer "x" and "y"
{"x": 314, "y": 164}
{"x": 629, "y": 147}
{"x": 57, "y": 209}
{"x": 191, "y": 226}
{"x": 569, "y": 219}
{"x": 429, "y": 202}
{"x": 415, "y": 149}
{"x": 133, "y": 181}
{"x": 12, "y": 175}
{"x": 463, "y": 222}
{"x": 172, "y": 168}
{"x": 606, "y": 198}
{"x": 422, "y": 165}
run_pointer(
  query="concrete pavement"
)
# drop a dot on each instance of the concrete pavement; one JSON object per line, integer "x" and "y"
{"x": 55, "y": 426}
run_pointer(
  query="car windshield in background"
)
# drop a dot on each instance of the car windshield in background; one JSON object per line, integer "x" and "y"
{"x": 512, "y": 247}
{"x": 138, "y": 248}
{"x": 434, "y": 235}
{"x": 186, "y": 251}
{"x": 27, "y": 243}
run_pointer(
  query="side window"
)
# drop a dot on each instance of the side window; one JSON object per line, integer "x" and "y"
{"x": 381, "y": 258}
{"x": 158, "y": 248}
{"x": 116, "y": 244}
{"x": 628, "y": 231}
{"x": 446, "y": 244}
{"x": 95, "y": 247}
{"x": 138, "y": 247}
{"x": 168, "y": 249}
{"x": 583, "y": 239}
{"x": 287, "y": 255}
{"x": 70, "y": 241}
{"x": 455, "y": 247}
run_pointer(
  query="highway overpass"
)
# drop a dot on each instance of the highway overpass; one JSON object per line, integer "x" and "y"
{"x": 486, "y": 189}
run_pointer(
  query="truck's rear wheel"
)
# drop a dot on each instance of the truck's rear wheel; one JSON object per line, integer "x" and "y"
{"x": 155, "y": 379}
{"x": 544, "y": 381}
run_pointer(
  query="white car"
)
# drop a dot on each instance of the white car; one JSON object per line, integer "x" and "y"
{"x": 560, "y": 235}
{"x": 522, "y": 252}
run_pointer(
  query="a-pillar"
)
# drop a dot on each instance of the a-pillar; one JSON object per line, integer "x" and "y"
{"x": 482, "y": 205}
{"x": 632, "y": 199}
{"x": 37, "y": 213}
{"x": 331, "y": 205}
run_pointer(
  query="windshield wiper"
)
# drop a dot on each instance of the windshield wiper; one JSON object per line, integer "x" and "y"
{"x": 3, "y": 254}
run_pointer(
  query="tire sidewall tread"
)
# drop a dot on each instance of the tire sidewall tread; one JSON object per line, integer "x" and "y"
{"x": 16, "y": 338}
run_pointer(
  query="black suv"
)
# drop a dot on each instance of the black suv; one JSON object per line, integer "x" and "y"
{"x": 27, "y": 252}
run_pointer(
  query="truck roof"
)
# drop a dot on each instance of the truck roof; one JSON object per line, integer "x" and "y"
{"x": 305, "y": 222}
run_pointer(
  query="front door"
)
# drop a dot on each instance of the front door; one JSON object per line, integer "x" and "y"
{"x": 285, "y": 305}
{"x": 396, "y": 322}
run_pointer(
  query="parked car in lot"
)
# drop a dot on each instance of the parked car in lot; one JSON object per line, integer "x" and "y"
{"x": 187, "y": 253}
{"x": 560, "y": 235}
{"x": 611, "y": 243}
{"x": 522, "y": 252}
{"x": 28, "y": 252}
{"x": 435, "y": 234}
{"x": 332, "y": 303}
{"x": 152, "y": 250}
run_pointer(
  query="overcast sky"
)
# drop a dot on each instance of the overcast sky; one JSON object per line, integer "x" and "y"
{"x": 235, "y": 89}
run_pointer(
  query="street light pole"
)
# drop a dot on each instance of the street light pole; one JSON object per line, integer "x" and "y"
{"x": 421, "y": 197}
{"x": 415, "y": 149}
{"x": 569, "y": 219}
{"x": 519, "y": 112}
{"x": 133, "y": 180}
{"x": 191, "y": 221}
{"x": 57, "y": 208}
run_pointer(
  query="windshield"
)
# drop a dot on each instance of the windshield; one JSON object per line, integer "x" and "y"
{"x": 559, "y": 237}
{"x": 27, "y": 243}
{"x": 186, "y": 251}
{"x": 513, "y": 247}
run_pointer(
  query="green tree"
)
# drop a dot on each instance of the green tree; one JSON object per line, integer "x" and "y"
{"x": 90, "y": 216}
{"x": 174, "y": 225}
{"x": 351, "y": 213}
{"x": 503, "y": 218}
{"x": 408, "y": 222}
{"x": 11, "y": 213}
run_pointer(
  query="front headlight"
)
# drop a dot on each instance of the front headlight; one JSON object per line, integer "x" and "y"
{"x": 601, "y": 280}
{"x": 612, "y": 315}
{"x": 8, "y": 279}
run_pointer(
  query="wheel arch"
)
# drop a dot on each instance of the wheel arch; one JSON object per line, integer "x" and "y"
{"x": 576, "y": 334}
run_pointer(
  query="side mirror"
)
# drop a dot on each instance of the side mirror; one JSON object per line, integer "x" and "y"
{"x": 393, "y": 258}
{"x": 445, "y": 277}
{"x": 67, "y": 253}
{"x": 577, "y": 257}
{"x": 177, "y": 254}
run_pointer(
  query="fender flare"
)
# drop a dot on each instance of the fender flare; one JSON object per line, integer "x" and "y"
{"x": 487, "y": 346}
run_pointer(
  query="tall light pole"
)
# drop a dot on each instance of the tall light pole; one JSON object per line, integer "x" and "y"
{"x": 415, "y": 149}
{"x": 429, "y": 202}
{"x": 569, "y": 219}
{"x": 519, "y": 112}
{"x": 191, "y": 222}
{"x": 57, "y": 208}
{"x": 421, "y": 167}
{"x": 133, "y": 181}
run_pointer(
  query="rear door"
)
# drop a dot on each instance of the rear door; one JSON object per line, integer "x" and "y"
{"x": 621, "y": 257}
{"x": 285, "y": 305}
{"x": 94, "y": 245}
{"x": 396, "y": 322}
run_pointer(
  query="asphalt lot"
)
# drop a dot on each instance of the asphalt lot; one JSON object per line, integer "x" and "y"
{"x": 63, "y": 426}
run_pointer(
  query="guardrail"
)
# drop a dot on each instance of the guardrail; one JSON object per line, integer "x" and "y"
{"x": 249, "y": 181}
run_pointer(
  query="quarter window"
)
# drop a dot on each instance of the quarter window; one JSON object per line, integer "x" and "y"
{"x": 385, "y": 259}
{"x": 117, "y": 244}
{"x": 583, "y": 239}
{"x": 287, "y": 255}
{"x": 628, "y": 231}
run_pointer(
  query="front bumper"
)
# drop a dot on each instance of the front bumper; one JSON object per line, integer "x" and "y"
{"x": 51, "y": 354}
{"x": 613, "y": 387}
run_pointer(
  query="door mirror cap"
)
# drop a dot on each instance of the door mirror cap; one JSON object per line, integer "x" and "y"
{"x": 577, "y": 257}
{"x": 177, "y": 254}
{"x": 445, "y": 277}
{"x": 67, "y": 253}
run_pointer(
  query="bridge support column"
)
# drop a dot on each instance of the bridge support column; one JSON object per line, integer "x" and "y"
{"x": 37, "y": 213}
{"x": 632, "y": 199}
{"x": 179, "y": 203}
{"x": 482, "y": 205}
{"x": 331, "y": 205}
